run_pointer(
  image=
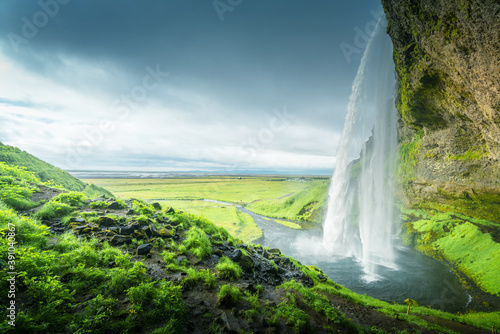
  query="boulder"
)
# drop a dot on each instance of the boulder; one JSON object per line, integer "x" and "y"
{"x": 144, "y": 249}
{"x": 106, "y": 221}
{"x": 246, "y": 263}
{"x": 114, "y": 205}
{"x": 118, "y": 240}
{"x": 236, "y": 255}
{"x": 127, "y": 230}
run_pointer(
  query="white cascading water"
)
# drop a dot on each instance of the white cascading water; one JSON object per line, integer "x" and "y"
{"x": 361, "y": 215}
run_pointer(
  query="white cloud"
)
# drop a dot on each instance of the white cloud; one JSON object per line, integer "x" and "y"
{"x": 173, "y": 128}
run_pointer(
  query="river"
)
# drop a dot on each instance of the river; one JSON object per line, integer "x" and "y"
{"x": 415, "y": 276}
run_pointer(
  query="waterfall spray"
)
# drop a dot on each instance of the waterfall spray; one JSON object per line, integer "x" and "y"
{"x": 361, "y": 216}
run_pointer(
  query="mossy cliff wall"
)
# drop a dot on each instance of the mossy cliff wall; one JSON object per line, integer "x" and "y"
{"x": 447, "y": 56}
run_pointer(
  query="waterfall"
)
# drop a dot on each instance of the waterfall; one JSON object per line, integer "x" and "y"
{"x": 361, "y": 216}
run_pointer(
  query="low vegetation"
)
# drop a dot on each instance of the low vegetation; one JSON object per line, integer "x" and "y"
{"x": 309, "y": 204}
{"x": 458, "y": 239}
{"x": 47, "y": 173}
{"x": 78, "y": 275}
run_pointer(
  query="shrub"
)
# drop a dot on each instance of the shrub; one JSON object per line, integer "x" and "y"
{"x": 228, "y": 295}
{"x": 294, "y": 316}
{"x": 197, "y": 242}
{"x": 228, "y": 269}
{"x": 194, "y": 276}
{"x": 99, "y": 205}
{"x": 72, "y": 198}
{"x": 142, "y": 208}
{"x": 141, "y": 293}
{"x": 53, "y": 210}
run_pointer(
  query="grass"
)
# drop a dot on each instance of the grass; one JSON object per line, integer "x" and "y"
{"x": 47, "y": 173}
{"x": 237, "y": 223}
{"x": 295, "y": 226}
{"x": 307, "y": 204}
{"x": 228, "y": 269}
{"x": 289, "y": 198}
{"x": 229, "y": 295}
{"x": 226, "y": 189}
{"x": 198, "y": 243}
{"x": 459, "y": 240}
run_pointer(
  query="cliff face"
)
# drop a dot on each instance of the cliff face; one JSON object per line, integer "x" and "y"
{"x": 447, "y": 56}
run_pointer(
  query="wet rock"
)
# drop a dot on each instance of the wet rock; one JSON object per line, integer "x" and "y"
{"x": 266, "y": 254}
{"x": 150, "y": 231}
{"x": 246, "y": 263}
{"x": 114, "y": 229}
{"x": 144, "y": 249}
{"x": 118, "y": 240}
{"x": 106, "y": 221}
{"x": 114, "y": 205}
{"x": 236, "y": 255}
{"x": 78, "y": 228}
{"x": 127, "y": 230}
{"x": 229, "y": 322}
{"x": 78, "y": 220}
{"x": 322, "y": 277}
{"x": 275, "y": 252}
{"x": 218, "y": 252}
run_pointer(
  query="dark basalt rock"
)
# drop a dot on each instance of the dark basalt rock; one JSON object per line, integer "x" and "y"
{"x": 78, "y": 220}
{"x": 106, "y": 221}
{"x": 246, "y": 263}
{"x": 236, "y": 255}
{"x": 144, "y": 249}
{"x": 114, "y": 205}
{"x": 127, "y": 230}
{"x": 118, "y": 240}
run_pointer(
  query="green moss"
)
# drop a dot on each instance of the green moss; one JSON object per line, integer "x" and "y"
{"x": 409, "y": 149}
{"x": 470, "y": 155}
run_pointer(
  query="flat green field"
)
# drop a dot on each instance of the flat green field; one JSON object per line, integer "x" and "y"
{"x": 240, "y": 190}
{"x": 278, "y": 197}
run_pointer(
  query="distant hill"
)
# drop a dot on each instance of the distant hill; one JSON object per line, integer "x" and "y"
{"x": 46, "y": 172}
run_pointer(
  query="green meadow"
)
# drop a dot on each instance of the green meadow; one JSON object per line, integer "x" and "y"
{"x": 294, "y": 198}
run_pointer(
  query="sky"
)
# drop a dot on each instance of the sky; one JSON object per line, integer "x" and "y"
{"x": 191, "y": 85}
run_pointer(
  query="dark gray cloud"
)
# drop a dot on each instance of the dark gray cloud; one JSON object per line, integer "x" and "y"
{"x": 263, "y": 55}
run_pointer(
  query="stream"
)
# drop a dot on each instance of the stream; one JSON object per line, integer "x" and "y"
{"x": 416, "y": 276}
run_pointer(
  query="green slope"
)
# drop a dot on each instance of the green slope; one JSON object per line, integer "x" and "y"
{"x": 13, "y": 156}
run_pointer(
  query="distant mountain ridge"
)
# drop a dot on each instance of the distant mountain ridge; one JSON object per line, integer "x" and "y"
{"x": 46, "y": 172}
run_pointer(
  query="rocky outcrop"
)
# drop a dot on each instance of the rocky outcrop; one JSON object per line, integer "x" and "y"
{"x": 447, "y": 56}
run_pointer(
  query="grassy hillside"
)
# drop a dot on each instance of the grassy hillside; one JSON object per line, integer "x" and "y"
{"x": 308, "y": 204}
{"x": 82, "y": 271}
{"x": 44, "y": 171}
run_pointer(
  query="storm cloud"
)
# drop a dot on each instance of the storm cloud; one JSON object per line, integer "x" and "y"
{"x": 180, "y": 85}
